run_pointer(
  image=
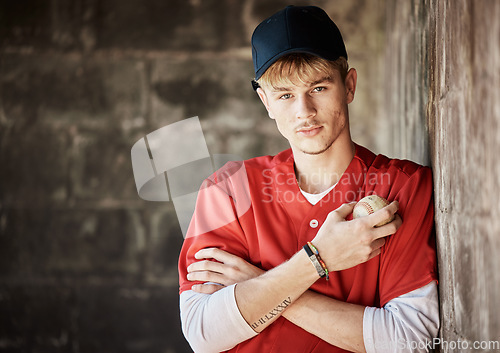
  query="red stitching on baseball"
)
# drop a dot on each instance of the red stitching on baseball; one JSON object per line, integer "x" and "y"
{"x": 367, "y": 206}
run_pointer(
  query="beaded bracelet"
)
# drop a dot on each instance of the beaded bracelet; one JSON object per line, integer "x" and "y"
{"x": 316, "y": 260}
{"x": 320, "y": 260}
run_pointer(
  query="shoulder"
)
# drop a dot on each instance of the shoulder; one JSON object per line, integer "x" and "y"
{"x": 270, "y": 162}
{"x": 394, "y": 178}
{"x": 400, "y": 167}
{"x": 248, "y": 169}
{"x": 382, "y": 164}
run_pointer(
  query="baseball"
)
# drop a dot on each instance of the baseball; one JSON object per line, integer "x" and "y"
{"x": 369, "y": 204}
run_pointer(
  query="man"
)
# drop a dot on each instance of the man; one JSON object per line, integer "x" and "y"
{"x": 273, "y": 261}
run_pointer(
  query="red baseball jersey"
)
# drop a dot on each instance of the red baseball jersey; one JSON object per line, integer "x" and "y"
{"x": 254, "y": 209}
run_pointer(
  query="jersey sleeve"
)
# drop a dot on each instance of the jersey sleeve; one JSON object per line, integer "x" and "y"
{"x": 408, "y": 258}
{"x": 222, "y": 201}
{"x": 410, "y": 318}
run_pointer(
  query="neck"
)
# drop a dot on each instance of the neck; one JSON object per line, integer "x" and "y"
{"x": 316, "y": 173}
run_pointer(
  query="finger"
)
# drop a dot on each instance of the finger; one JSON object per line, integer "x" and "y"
{"x": 217, "y": 254}
{"x": 378, "y": 243}
{"x": 343, "y": 211}
{"x": 208, "y": 276}
{"x": 384, "y": 213}
{"x": 206, "y": 288}
{"x": 398, "y": 221}
{"x": 374, "y": 254}
{"x": 206, "y": 265}
{"x": 389, "y": 228}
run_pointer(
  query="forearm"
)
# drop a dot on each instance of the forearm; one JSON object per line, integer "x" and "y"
{"x": 336, "y": 322}
{"x": 261, "y": 300}
{"x": 403, "y": 322}
{"x": 206, "y": 319}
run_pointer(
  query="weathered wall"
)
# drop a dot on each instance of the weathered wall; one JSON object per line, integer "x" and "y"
{"x": 464, "y": 113}
{"x": 407, "y": 31}
{"x": 448, "y": 80}
{"x": 85, "y": 265}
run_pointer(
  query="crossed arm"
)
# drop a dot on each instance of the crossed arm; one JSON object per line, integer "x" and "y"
{"x": 262, "y": 297}
{"x": 311, "y": 311}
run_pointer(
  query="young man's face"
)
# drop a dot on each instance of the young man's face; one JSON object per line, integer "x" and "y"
{"x": 312, "y": 116}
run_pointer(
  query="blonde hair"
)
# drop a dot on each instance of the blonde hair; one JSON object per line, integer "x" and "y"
{"x": 299, "y": 67}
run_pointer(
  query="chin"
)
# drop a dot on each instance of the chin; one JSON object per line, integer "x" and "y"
{"x": 315, "y": 150}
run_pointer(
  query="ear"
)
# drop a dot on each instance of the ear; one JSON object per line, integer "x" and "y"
{"x": 263, "y": 98}
{"x": 350, "y": 84}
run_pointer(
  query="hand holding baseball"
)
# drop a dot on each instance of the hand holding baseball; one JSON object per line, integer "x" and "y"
{"x": 343, "y": 244}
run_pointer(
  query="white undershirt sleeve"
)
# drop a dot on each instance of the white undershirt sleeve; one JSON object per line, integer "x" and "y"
{"x": 407, "y": 323}
{"x": 212, "y": 322}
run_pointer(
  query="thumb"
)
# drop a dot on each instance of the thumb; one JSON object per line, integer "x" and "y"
{"x": 344, "y": 210}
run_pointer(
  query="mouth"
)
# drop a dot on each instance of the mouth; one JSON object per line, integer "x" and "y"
{"x": 309, "y": 131}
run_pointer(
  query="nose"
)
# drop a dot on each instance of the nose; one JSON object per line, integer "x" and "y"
{"x": 305, "y": 107}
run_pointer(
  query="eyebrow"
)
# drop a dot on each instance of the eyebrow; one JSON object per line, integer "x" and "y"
{"x": 321, "y": 80}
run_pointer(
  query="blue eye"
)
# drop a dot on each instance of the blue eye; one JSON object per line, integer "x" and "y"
{"x": 286, "y": 96}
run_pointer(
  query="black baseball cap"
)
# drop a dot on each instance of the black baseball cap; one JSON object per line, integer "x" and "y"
{"x": 295, "y": 29}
